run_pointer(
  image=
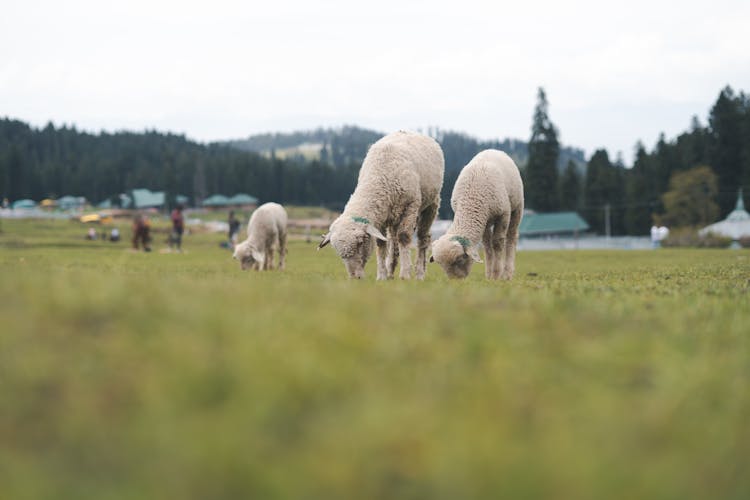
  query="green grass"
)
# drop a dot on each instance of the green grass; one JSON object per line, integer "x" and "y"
{"x": 592, "y": 375}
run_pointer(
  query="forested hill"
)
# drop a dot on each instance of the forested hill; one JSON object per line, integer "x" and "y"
{"x": 53, "y": 162}
{"x": 348, "y": 144}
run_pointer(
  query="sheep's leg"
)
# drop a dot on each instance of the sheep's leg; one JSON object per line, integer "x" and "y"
{"x": 382, "y": 250}
{"x": 404, "y": 232}
{"x": 424, "y": 223}
{"x": 391, "y": 260}
{"x": 499, "y": 240}
{"x": 510, "y": 245}
{"x": 282, "y": 250}
{"x": 268, "y": 257}
{"x": 489, "y": 253}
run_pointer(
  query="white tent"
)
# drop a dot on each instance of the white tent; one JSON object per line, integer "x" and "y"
{"x": 735, "y": 226}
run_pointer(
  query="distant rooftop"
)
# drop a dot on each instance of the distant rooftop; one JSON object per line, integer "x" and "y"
{"x": 534, "y": 224}
{"x": 219, "y": 200}
{"x": 736, "y": 225}
{"x": 144, "y": 198}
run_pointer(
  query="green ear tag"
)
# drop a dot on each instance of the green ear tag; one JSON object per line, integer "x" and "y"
{"x": 464, "y": 241}
{"x": 361, "y": 220}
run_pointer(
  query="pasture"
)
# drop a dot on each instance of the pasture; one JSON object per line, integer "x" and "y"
{"x": 594, "y": 374}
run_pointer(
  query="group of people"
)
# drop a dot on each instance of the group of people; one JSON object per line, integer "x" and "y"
{"x": 142, "y": 230}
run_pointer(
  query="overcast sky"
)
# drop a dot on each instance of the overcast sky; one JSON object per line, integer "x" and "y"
{"x": 614, "y": 72}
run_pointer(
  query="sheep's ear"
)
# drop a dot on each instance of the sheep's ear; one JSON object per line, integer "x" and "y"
{"x": 373, "y": 231}
{"x": 473, "y": 253}
{"x": 432, "y": 259}
{"x": 326, "y": 239}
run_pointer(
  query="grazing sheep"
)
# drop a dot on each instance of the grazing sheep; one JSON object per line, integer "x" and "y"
{"x": 488, "y": 204}
{"x": 398, "y": 192}
{"x": 266, "y": 228}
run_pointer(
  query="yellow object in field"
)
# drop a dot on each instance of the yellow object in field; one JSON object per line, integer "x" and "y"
{"x": 95, "y": 218}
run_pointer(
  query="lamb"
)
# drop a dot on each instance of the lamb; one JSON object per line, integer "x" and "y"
{"x": 488, "y": 204}
{"x": 398, "y": 192}
{"x": 266, "y": 229}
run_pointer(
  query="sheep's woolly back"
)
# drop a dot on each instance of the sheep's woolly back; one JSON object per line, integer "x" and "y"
{"x": 487, "y": 187}
{"x": 265, "y": 224}
{"x": 387, "y": 174}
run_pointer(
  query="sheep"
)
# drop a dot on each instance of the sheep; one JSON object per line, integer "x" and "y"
{"x": 398, "y": 192}
{"x": 267, "y": 227}
{"x": 487, "y": 201}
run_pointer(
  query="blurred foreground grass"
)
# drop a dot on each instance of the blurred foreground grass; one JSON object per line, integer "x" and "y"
{"x": 591, "y": 375}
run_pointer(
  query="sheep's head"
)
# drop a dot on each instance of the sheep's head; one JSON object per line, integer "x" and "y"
{"x": 352, "y": 238}
{"x": 455, "y": 255}
{"x": 247, "y": 255}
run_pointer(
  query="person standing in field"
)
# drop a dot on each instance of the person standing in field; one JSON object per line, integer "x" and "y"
{"x": 141, "y": 233}
{"x": 234, "y": 229}
{"x": 178, "y": 227}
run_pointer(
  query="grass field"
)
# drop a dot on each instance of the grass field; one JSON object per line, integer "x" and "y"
{"x": 592, "y": 375}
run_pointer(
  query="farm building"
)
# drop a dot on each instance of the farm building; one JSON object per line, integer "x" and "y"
{"x": 535, "y": 225}
{"x": 239, "y": 200}
{"x": 71, "y": 202}
{"x": 243, "y": 200}
{"x": 23, "y": 204}
{"x": 144, "y": 198}
{"x": 216, "y": 201}
{"x": 558, "y": 224}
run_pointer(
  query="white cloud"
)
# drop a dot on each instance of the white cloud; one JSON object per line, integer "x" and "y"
{"x": 613, "y": 73}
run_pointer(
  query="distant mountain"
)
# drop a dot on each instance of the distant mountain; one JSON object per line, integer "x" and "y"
{"x": 339, "y": 147}
{"x": 348, "y": 145}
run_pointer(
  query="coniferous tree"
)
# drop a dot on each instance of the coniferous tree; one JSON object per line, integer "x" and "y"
{"x": 664, "y": 164}
{"x": 604, "y": 193}
{"x": 570, "y": 187}
{"x": 639, "y": 199}
{"x": 541, "y": 168}
{"x": 745, "y": 133}
{"x": 726, "y": 146}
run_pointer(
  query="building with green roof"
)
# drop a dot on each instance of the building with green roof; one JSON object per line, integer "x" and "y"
{"x": 144, "y": 198}
{"x": 25, "y": 203}
{"x": 559, "y": 224}
{"x": 217, "y": 200}
{"x": 243, "y": 199}
{"x": 238, "y": 200}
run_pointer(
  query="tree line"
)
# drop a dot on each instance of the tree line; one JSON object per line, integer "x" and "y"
{"x": 51, "y": 162}
{"x": 630, "y": 200}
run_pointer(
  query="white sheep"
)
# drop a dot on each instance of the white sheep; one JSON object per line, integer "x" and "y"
{"x": 487, "y": 201}
{"x": 266, "y": 229}
{"x": 398, "y": 192}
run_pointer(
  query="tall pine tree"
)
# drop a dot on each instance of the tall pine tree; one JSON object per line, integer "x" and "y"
{"x": 604, "y": 193}
{"x": 570, "y": 187}
{"x": 541, "y": 168}
{"x": 640, "y": 194}
{"x": 726, "y": 146}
